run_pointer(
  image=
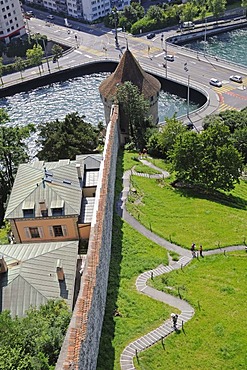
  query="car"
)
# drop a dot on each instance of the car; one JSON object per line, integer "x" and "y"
{"x": 30, "y": 13}
{"x": 169, "y": 57}
{"x": 50, "y": 16}
{"x": 215, "y": 82}
{"x": 236, "y": 78}
{"x": 151, "y": 35}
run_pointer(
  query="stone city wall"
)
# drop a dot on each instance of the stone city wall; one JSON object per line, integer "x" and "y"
{"x": 81, "y": 344}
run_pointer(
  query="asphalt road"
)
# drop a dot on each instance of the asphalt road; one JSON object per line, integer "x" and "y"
{"x": 97, "y": 43}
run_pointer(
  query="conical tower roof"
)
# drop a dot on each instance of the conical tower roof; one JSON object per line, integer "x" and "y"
{"x": 129, "y": 69}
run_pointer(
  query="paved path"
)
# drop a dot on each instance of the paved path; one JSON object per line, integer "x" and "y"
{"x": 187, "y": 311}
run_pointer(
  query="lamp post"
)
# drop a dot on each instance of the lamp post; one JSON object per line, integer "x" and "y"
{"x": 47, "y": 61}
{"x": 115, "y": 13}
{"x": 188, "y": 90}
{"x": 205, "y": 36}
{"x": 166, "y": 57}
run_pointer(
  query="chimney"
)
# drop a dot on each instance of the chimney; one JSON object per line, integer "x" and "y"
{"x": 78, "y": 167}
{"x": 60, "y": 273}
{"x": 3, "y": 265}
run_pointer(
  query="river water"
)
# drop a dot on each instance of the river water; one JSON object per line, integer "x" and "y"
{"x": 231, "y": 46}
{"x": 80, "y": 95}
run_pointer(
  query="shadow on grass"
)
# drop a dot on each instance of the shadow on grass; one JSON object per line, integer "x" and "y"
{"x": 106, "y": 355}
{"x": 228, "y": 200}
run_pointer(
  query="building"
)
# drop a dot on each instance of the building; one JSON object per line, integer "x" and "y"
{"x": 50, "y": 210}
{"x": 11, "y": 20}
{"x": 89, "y": 10}
{"x": 129, "y": 69}
{"x": 53, "y": 201}
{"x": 31, "y": 274}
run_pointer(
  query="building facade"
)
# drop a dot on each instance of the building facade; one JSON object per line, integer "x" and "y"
{"x": 89, "y": 10}
{"x": 11, "y": 20}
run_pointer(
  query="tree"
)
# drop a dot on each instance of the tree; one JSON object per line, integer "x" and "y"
{"x": 170, "y": 133}
{"x": 208, "y": 160}
{"x": 244, "y": 5}
{"x": 1, "y": 70}
{"x": 13, "y": 151}
{"x": 240, "y": 141}
{"x": 57, "y": 51}
{"x": 66, "y": 138}
{"x": 155, "y": 12}
{"x": 33, "y": 342}
{"x": 19, "y": 65}
{"x": 35, "y": 55}
{"x": 134, "y": 111}
{"x": 189, "y": 11}
{"x": 217, "y": 7}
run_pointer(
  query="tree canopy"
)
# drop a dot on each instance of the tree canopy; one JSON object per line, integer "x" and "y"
{"x": 13, "y": 151}
{"x": 134, "y": 110}
{"x": 207, "y": 160}
{"x": 66, "y": 138}
{"x": 33, "y": 342}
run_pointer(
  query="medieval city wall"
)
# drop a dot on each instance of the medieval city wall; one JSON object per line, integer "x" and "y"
{"x": 81, "y": 345}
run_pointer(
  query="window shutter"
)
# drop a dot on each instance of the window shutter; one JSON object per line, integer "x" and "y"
{"x": 51, "y": 231}
{"x": 27, "y": 232}
{"x": 41, "y": 232}
{"x": 65, "y": 232}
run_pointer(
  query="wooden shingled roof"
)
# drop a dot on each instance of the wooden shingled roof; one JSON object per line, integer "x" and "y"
{"x": 129, "y": 69}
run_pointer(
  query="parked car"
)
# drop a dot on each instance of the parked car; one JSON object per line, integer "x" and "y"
{"x": 50, "y": 16}
{"x": 215, "y": 82}
{"x": 236, "y": 78}
{"x": 169, "y": 57}
{"x": 151, "y": 35}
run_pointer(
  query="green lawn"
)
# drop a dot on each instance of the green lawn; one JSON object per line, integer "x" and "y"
{"x": 141, "y": 168}
{"x": 132, "y": 254}
{"x": 184, "y": 216}
{"x": 215, "y": 338}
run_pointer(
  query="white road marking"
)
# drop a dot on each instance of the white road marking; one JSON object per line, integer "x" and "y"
{"x": 158, "y": 55}
{"x": 88, "y": 56}
{"x": 78, "y": 52}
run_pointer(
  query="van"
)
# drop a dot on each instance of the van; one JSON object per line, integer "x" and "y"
{"x": 188, "y": 25}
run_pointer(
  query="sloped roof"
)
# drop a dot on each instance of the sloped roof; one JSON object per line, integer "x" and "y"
{"x": 90, "y": 161}
{"x": 87, "y": 210}
{"x": 45, "y": 181}
{"x": 31, "y": 278}
{"x": 129, "y": 69}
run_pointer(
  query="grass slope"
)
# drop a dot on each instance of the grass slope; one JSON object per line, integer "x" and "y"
{"x": 184, "y": 216}
{"x": 131, "y": 255}
{"x": 216, "y": 337}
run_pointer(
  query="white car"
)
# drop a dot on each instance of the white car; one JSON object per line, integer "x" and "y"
{"x": 50, "y": 16}
{"x": 215, "y": 82}
{"x": 169, "y": 57}
{"x": 236, "y": 78}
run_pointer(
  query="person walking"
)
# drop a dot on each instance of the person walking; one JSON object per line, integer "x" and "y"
{"x": 193, "y": 250}
{"x": 200, "y": 251}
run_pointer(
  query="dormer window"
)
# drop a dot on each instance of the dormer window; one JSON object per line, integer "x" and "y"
{"x": 57, "y": 207}
{"x": 28, "y": 209}
{"x": 43, "y": 209}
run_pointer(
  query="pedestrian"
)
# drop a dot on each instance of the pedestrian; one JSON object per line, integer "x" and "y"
{"x": 200, "y": 250}
{"x": 193, "y": 250}
{"x": 174, "y": 318}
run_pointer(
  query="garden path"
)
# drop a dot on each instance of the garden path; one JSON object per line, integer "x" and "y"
{"x": 187, "y": 311}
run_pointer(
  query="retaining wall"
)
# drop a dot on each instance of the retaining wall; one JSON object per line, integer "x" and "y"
{"x": 81, "y": 345}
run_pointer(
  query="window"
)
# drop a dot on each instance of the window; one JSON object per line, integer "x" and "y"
{"x": 57, "y": 211}
{"x": 34, "y": 232}
{"x": 58, "y": 231}
{"x": 27, "y": 213}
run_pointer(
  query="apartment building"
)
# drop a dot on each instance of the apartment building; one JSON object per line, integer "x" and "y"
{"x": 11, "y": 20}
{"x": 89, "y": 10}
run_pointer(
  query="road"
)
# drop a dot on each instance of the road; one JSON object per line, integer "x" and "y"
{"x": 95, "y": 43}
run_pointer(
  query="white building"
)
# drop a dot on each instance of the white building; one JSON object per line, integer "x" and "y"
{"x": 89, "y": 10}
{"x": 11, "y": 20}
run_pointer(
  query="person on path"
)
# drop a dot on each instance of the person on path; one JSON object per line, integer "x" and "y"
{"x": 193, "y": 250}
{"x": 200, "y": 250}
{"x": 174, "y": 318}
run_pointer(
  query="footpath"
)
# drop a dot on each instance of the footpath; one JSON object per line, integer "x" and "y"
{"x": 186, "y": 310}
